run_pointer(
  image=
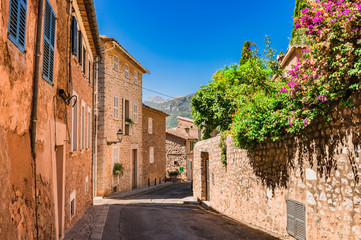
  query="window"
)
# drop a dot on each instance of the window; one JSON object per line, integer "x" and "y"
{"x": 116, "y": 63}
{"x": 191, "y": 145}
{"x": 84, "y": 60}
{"x": 126, "y": 116}
{"x": 82, "y": 125}
{"x": 126, "y": 71}
{"x": 135, "y": 77}
{"x": 88, "y": 142}
{"x": 115, "y": 155}
{"x": 151, "y": 155}
{"x": 74, "y": 35}
{"x": 150, "y": 125}
{"x": 116, "y": 108}
{"x": 89, "y": 70}
{"x": 80, "y": 44}
{"x": 86, "y": 185}
{"x": 296, "y": 225}
{"x": 72, "y": 204}
{"x": 135, "y": 113}
{"x": 49, "y": 43}
{"x": 17, "y": 23}
{"x": 75, "y": 125}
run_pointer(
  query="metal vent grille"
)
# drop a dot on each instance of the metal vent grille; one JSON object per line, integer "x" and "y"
{"x": 296, "y": 219}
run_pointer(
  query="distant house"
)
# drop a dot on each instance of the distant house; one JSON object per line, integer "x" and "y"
{"x": 154, "y": 145}
{"x": 180, "y": 143}
{"x": 120, "y": 116}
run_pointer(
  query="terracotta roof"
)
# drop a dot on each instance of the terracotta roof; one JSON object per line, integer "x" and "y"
{"x": 186, "y": 119}
{"x": 289, "y": 52}
{"x": 155, "y": 110}
{"x": 125, "y": 52}
{"x": 180, "y": 134}
{"x": 87, "y": 12}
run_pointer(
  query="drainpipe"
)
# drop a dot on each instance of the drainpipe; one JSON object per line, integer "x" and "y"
{"x": 34, "y": 109}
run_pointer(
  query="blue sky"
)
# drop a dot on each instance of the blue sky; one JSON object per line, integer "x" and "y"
{"x": 182, "y": 43}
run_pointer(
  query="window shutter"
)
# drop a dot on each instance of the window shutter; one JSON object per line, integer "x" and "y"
{"x": 49, "y": 42}
{"x": 151, "y": 154}
{"x": 296, "y": 225}
{"x": 123, "y": 117}
{"x": 17, "y": 23}
{"x": 80, "y": 47}
{"x": 74, "y": 39}
{"x": 89, "y": 70}
{"x": 84, "y": 60}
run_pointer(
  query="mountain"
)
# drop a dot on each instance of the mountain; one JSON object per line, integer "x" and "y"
{"x": 155, "y": 99}
{"x": 178, "y": 106}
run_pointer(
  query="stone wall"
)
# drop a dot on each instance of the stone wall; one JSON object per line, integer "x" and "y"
{"x": 157, "y": 140}
{"x": 114, "y": 83}
{"x": 176, "y": 154}
{"x": 320, "y": 168}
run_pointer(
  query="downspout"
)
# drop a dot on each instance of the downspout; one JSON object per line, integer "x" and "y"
{"x": 34, "y": 109}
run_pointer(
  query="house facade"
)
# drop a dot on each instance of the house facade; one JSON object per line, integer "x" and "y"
{"x": 37, "y": 169}
{"x": 154, "y": 145}
{"x": 120, "y": 117}
{"x": 180, "y": 142}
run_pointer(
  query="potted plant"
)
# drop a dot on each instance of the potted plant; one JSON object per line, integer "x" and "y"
{"x": 118, "y": 169}
{"x": 129, "y": 121}
{"x": 173, "y": 174}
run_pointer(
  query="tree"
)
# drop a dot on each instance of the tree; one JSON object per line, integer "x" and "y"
{"x": 246, "y": 52}
{"x": 298, "y": 35}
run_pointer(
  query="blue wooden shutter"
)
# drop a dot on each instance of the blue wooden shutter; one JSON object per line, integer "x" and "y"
{"x": 74, "y": 35}
{"x": 17, "y": 23}
{"x": 49, "y": 43}
{"x": 80, "y": 46}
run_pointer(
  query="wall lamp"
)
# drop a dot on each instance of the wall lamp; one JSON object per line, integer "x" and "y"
{"x": 119, "y": 136}
{"x": 66, "y": 97}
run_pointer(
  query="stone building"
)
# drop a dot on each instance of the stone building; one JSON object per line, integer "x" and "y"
{"x": 306, "y": 186}
{"x": 120, "y": 114}
{"x": 180, "y": 143}
{"x": 154, "y": 145}
{"x": 40, "y": 173}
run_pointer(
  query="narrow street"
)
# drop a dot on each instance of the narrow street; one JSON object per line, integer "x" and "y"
{"x": 160, "y": 214}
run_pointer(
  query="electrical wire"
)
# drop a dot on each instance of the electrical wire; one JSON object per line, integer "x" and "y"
{"x": 147, "y": 89}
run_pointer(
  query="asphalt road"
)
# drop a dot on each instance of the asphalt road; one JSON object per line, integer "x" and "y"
{"x": 155, "y": 221}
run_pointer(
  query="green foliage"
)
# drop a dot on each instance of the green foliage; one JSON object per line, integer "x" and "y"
{"x": 298, "y": 36}
{"x": 246, "y": 52}
{"x": 174, "y": 173}
{"x": 118, "y": 169}
{"x": 129, "y": 121}
{"x": 223, "y": 146}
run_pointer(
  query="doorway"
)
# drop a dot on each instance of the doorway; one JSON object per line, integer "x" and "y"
{"x": 59, "y": 186}
{"x": 135, "y": 167}
{"x": 189, "y": 170}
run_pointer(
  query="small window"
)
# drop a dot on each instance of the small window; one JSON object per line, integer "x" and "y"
{"x": 116, "y": 108}
{"x": 126, "y": 71}
{"x": 72, "y": 204}
{"x": 88, "y": 142}
{"x": 86, "y": 185}
{"x": 82, "y": 125}
{"x": 17, "y": 23}
{"x": 191, "y": 145}
{"x": 150, "y": 125}
{"x": 74, "y": 35}
{"x": 135, "y": 113}
{"x": 115, "y": 155}
{"x": 135, "y": 77}
{"x": 74, "y": 139}
{"x": 89, "y": 70}
{"x": 84, "y": 60}
{"x": 296, "y": 224}
{"x": 49, "y": 43}
{"x": 80, "y": 47}
{"x": 116, "y": 63}
{"x": 151, "y": 155}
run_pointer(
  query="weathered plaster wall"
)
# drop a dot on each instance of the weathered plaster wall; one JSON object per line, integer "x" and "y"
{"x": 114, "y": 83}
{"x": 319, "y": 168}
{"x": 157, "y": 140}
